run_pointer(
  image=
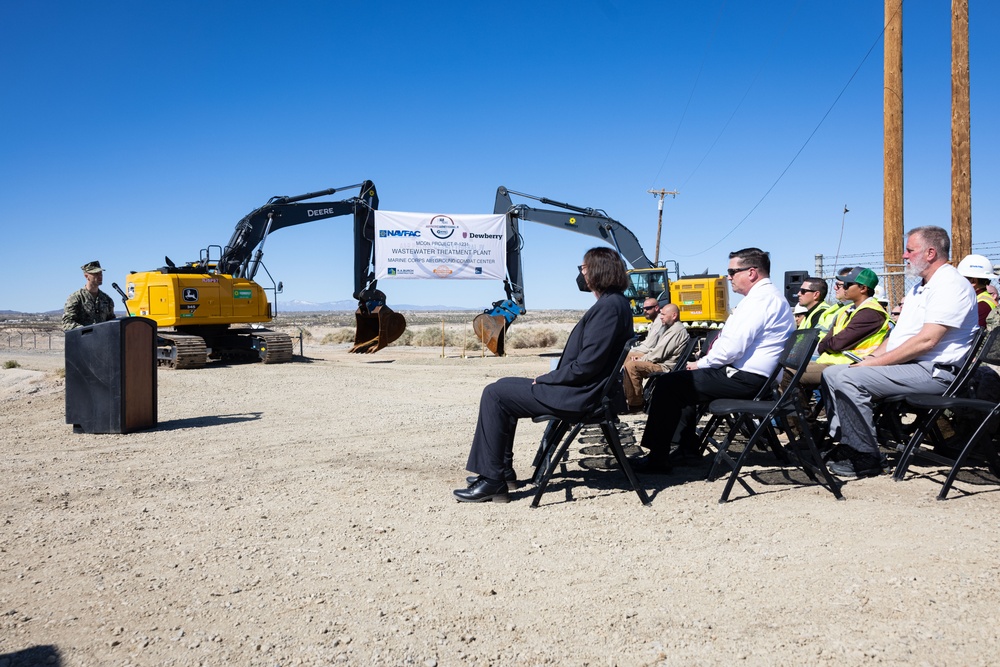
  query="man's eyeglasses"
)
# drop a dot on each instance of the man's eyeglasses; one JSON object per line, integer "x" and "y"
{"x": 838, "y": 285}
{"x": 847, "y": 285}
{"x": 803, "y": 290}
{"x": 649, "y": 307}
{"x": 733, "y": 272}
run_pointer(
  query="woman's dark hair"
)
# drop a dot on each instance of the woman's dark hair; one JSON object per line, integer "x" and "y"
{"x": 605, "y": 271}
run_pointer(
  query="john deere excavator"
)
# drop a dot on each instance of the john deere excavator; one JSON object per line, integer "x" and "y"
{"x": 648, "y": 280}
{"x": 196, "y": 306}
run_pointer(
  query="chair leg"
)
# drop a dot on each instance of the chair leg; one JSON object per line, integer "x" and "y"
{"x": 553, "y": 462}
{"x": 738, "y": 465}
{"x": 611, "y": 435}
{"x": 550, "y": 440}
{"x": 913, "y": 445}
{"x": 991, "y": 455}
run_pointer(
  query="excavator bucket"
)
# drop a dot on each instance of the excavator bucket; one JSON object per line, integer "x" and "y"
{"x": 491, "y": 329}
{"x": 377, "y": 329}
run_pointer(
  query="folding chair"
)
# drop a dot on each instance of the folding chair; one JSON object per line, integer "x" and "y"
{"x": 706, "y": 437}
{"x": 889, "y": 412}
{"x": 762, "y": 415}
{"x": 930, "y": 406}
{"x": 699, "y": 343}
{"x": 604, "y": 414}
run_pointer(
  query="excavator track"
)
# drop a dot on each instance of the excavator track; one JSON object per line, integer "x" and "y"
{"x": 180, "y": 351}
{"x": 274, "y": 347}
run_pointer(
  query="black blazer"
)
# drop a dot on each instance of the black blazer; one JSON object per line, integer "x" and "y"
{"x": 590, "y": 355}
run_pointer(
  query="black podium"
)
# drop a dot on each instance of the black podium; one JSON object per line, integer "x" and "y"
{"x": 111, "y": 376}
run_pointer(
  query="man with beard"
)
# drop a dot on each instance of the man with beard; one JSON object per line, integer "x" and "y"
{"x": 920, "y": 356}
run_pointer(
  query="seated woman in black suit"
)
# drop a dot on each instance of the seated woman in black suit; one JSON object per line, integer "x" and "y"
{"x": 589, "y": 357}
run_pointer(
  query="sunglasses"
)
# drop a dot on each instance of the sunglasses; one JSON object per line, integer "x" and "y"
{"x": 895, "y": 313}
{"x": 649, "y": 307}
{"x": 803, "y": 290}
{"x": 733, "y": 272}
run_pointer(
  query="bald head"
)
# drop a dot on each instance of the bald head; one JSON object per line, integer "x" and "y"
{"x": 669, "y": 314}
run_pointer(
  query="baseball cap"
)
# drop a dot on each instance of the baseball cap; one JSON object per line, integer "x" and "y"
{"x": 92, "y": 267}
{"x": 862, "y": 276}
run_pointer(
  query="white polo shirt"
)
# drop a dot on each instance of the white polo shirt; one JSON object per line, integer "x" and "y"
{"x": 947, "y": 299}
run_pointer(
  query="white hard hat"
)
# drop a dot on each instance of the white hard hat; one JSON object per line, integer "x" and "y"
{"x": 976, "y": 266}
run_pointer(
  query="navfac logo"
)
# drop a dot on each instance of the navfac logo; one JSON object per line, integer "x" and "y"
{"x": 406, "y": 233}
{"x": 442, "y": 226}
{"x": 190, "y": 294}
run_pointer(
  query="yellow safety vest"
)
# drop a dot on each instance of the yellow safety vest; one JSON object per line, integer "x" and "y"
{"x": 829, "y": 317}
{"x": 985, "y": 297}
{"x": 812, "y": 319}
{"x": 865, "y": 346}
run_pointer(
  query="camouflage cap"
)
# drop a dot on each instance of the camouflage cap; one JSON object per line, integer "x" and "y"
{"x": 92, "y": 267}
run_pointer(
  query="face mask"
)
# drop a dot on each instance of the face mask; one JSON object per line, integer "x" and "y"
{"x": 581, "y": 282}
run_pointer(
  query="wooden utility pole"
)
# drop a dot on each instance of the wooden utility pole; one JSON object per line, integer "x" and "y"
{"x": 659, "y": 222}
{"x": 961, "y": 155}
{"x": 892, "y": 168}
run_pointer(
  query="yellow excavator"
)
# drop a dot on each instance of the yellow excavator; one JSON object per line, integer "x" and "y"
{"x": 213, "y": 309}
{"x": 702, "y": 300}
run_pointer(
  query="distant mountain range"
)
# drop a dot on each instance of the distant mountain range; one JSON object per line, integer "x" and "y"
{"x": 295, "y": 306}
{"x": 292, "y": 306}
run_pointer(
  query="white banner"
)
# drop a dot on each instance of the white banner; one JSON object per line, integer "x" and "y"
{"x": 454, "y": 247}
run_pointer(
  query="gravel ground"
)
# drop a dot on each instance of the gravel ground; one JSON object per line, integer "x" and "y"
{"x": 301, "y": 514}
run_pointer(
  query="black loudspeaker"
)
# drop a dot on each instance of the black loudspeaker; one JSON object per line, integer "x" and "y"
{"x": 111, "y": 376}
{"x": 793, "y": 281}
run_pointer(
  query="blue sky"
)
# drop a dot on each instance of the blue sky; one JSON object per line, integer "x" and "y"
{"x": 138, "y": 130}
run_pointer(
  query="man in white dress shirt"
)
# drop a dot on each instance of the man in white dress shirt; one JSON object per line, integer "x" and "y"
{"x": 737, "y": 365}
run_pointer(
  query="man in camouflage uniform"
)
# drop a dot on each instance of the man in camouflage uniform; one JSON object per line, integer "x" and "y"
{"x": 88, "y": 305}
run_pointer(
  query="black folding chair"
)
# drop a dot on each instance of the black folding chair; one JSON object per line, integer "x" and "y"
{"x": 890, "y": 411}
{"x": 762, "y": 415}
{"x": 927, "y": 442}
{"x": 562, "y": 431}
{"x": 696, "y": 344}
{"x": 707, "y": 435}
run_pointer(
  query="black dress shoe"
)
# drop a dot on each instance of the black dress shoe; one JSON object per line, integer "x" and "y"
{"x": 650, "y": 465}
{"x": 483, "y": 490}
{"x": 509, "y": 476}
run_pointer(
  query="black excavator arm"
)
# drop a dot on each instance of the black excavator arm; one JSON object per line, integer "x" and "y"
{"x": 241, "y": 256}
{"x": 492, "y": 324}
{"x": 377, "y": 324}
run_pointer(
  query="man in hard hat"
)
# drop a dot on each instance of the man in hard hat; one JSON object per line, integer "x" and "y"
{"x": 920, "y": 356}
{"x": 979, "y": 271}
{"x": 88, "y": 305}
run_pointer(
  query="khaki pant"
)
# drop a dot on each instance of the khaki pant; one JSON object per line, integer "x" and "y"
{"x": 635, "y": 372}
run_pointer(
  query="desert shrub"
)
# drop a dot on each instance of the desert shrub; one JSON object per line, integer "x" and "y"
{"x": 11, "y": 364}
{"x": 535, "y": 337}
{"x": 338, "y": 336}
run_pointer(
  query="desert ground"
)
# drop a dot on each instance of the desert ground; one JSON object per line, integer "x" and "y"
{"x": 301, "y": 514}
